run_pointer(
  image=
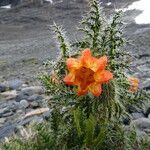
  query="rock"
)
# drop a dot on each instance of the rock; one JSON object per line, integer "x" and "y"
{"x": 26, "y": 92}
{"x": 14, "y": 84}
{"x": 137, "y": 115}
{"x": 19, "y": 112}
{"x": 35, "y": 97}
{"x": 7, "y": 130}
{"x": 46, "y": 115}
{"x": 142, "y": 134}
{"x": 14, "y": 106}
{"x": 8, "y": 114}
{"x": 146, "y": 84}
{"x": 24, "y": 103}
{"x": 143, "y": 68}
{"x": 147, "y": 112}
{"x": 26, "y": 121}
{"x": 4, "y": 2}
{"x": 141, "y": 123}
{"x": 34, "y": 104}
{"x": 132, "y": 109}
{"x": 2, "y": 88}
{"x": 4, "y": 110}
{"x": 21, "y": 96}
{"x": 33, "y": 90}
{"x": 147, "y": 131}
{"x": 2, "y": 120}
{"x": 36, "y": 112}
{"x": 24, "y": 85}
{"x": 146, "y": 108}
{"x": 8, "y": 95}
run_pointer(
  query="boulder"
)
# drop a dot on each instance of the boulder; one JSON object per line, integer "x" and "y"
{"x": 146, "y": 108}
{"x": 137, "y": 115}
{"x": 35, "y": 97}
{"x": 24, "y": 103}
{"x": 9, "y": 95}
{"x": 2, "y": 88}
{"x": 14, "y": 84}
{"x": 34, "y": 104}
{"x": 141, "y": 123}
{"x": 32, "y": 90}
{"x": 27, "y": 92}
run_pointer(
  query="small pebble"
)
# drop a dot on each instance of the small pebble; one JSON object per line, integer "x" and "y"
{"x": 24, "y": 103}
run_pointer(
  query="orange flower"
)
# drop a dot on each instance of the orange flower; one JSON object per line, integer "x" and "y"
{"x": 88, "y": 73}
{"x": 134, "y": 83}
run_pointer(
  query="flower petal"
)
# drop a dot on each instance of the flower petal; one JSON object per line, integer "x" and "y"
{"x": 95, "y": 89}
{"x": 69, "y": 79}
{"x": 91, "y": 62}
{"x": 103, "y": 76}
{"x": 86, "y": 58}
{"x": 88, "y": 61}
{"x": 102, "y": 62}
{"x": 73, "y": 63}
{"x": 86, "y": 53}
{"x": 81, "y": 92}
{"x": 98, "y": 64}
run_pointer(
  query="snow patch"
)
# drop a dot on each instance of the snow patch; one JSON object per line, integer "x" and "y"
{"x": 51, "y": 1}
{"x": 6, "y": 7}
{"x": 144, "y": 6}
{"x": 108, "y": 4}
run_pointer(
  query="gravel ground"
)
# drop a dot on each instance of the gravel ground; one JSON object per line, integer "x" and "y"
{"x": 26, "y": 40}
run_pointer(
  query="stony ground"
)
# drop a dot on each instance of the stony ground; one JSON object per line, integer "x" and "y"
{"x": 19, "y": 105}
{"x": 26, "y": 41}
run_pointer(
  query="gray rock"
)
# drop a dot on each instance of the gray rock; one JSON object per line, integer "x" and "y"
{"x": 142, "y": 134}
{"x": 14, "y": 106}
{"x": 146, "y": 108}
{"x": 46, "y": 115}
{"x": 10, "y": 105}
{"x": 2, "y": 88}
{"x": 26, "y": 121}
{"x": 132, "y": 109}
{"x": 21, "y": 96}
{"x": 35, "y": 97}
{"x": 147, "y": 131}
{"x": 24, "y": 103}
{"x": 2, "y": 120}
{"x": 34, "y": 104}
{"x": 143, "y": 68}
{"x": 24, "y": 85}
{"x": 4, "y": 111}
{"x": 146, "y": 84}
{"x": 29, "y": 91}
{"x": 9, "y": 95}
{"x": 8, "y": 114}
{"x": 7, "y": 130}
{"x": 137, "y": 115}
{"x": 147, "y": 112}
{"x": 141, "y": 123}
{"x": 14, "y": 84}
{"x": 33, "y": 90}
